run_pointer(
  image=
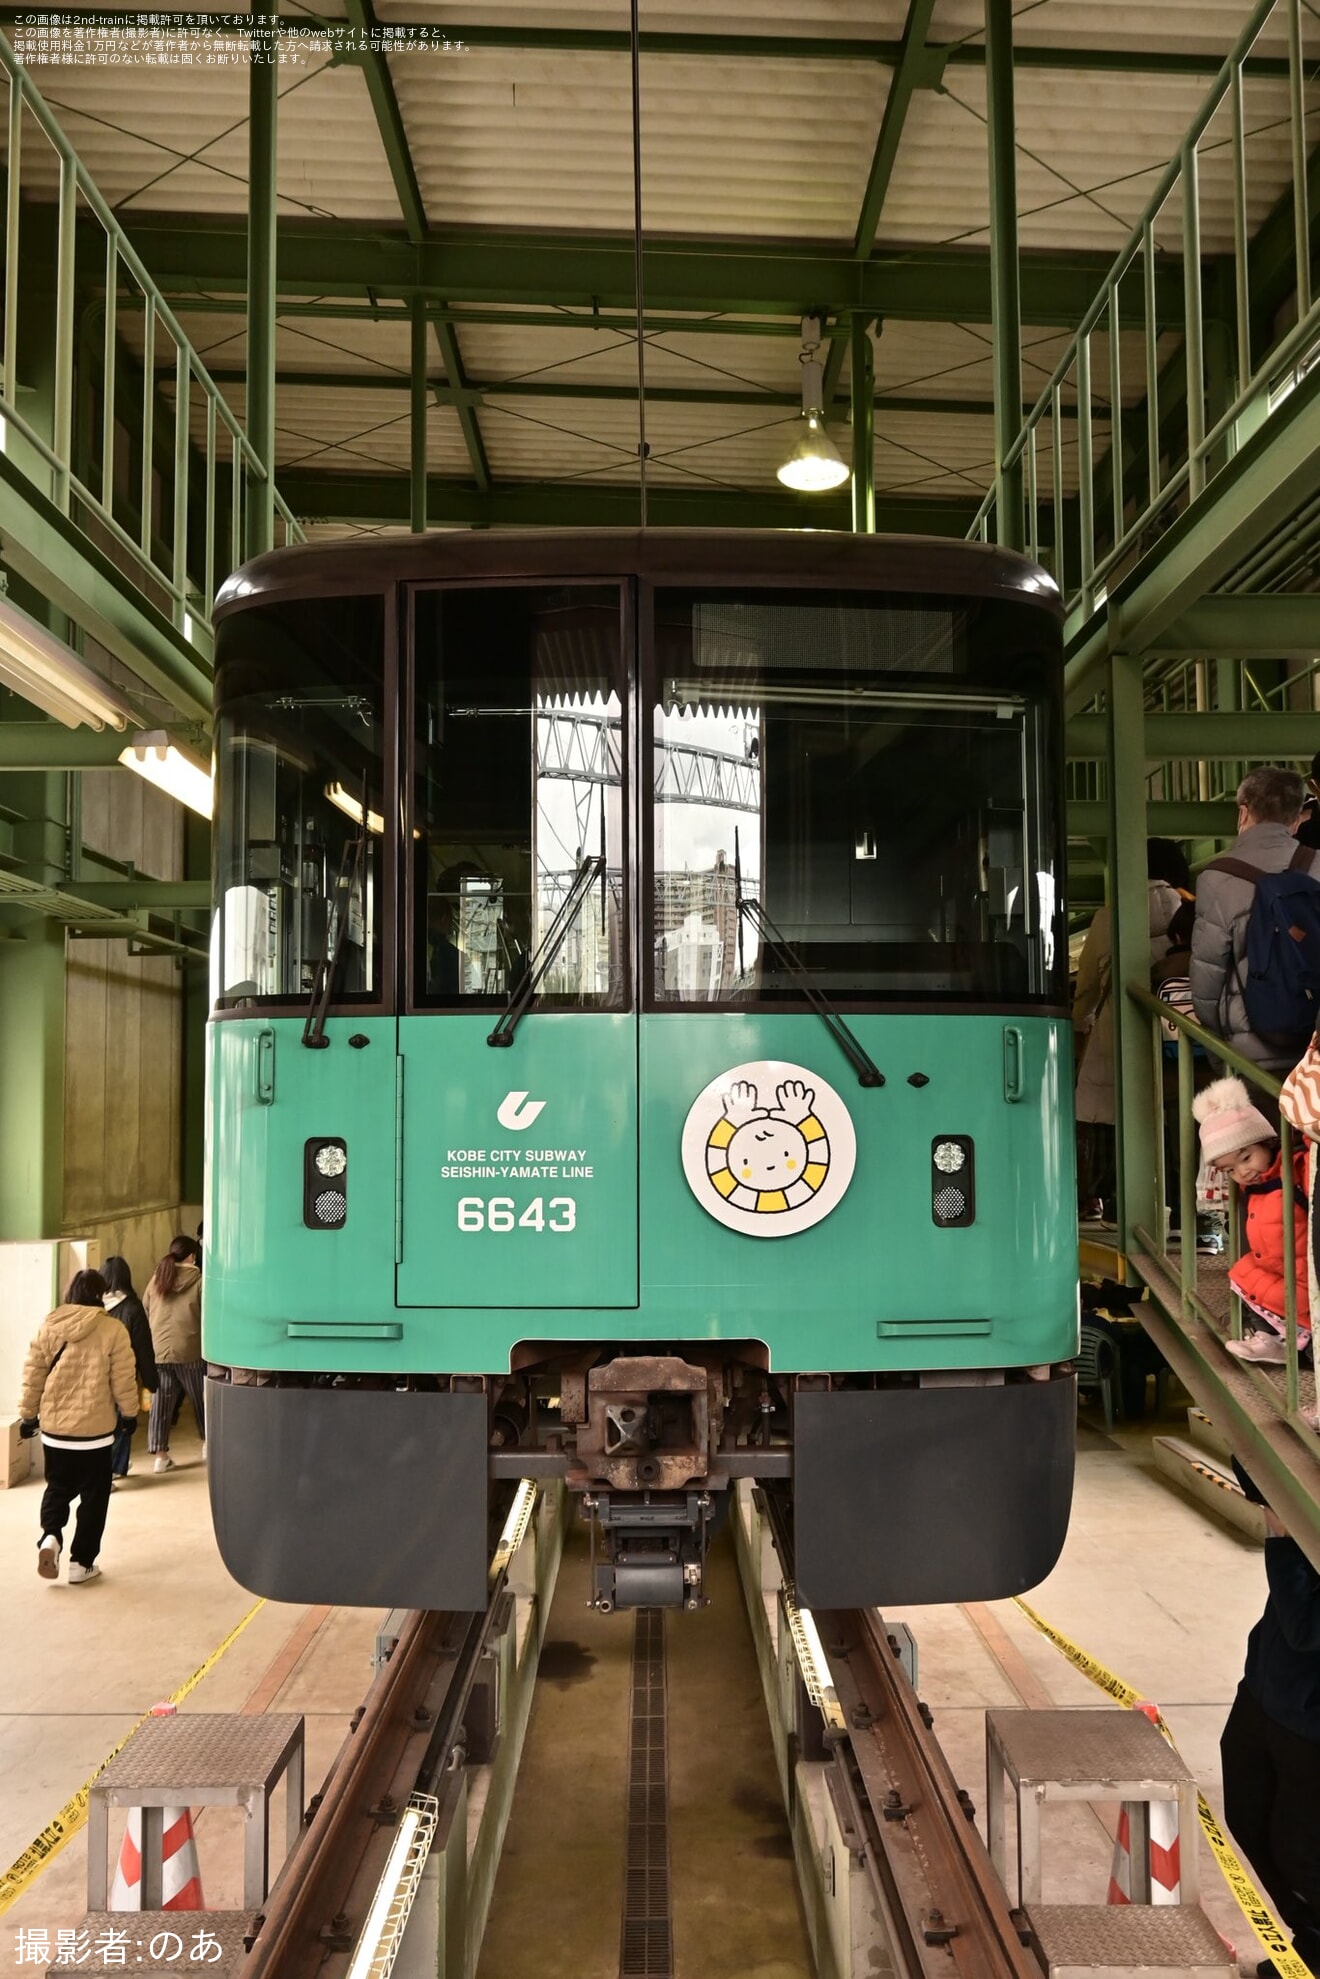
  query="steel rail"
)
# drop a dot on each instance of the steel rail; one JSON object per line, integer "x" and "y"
{"x": 944, "y": 1908}
{"x": 927, "y": 1860}
{"x": 404, "y": 1738}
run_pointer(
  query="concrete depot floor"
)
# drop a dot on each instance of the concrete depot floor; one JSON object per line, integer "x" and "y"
{"x": 1148, "y": 1583}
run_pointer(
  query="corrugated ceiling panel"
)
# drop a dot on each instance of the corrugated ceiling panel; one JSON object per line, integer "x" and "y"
{"x": 175, "y": 139}
{"x": 350, "y": 431}
{"x": 1198, "y": 27}
{"x": 1088, "y": 160}
{"x": 510, "y": 138}
{"x": 604, "y": 357}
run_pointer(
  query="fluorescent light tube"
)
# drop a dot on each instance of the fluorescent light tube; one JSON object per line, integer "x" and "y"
{"x": 44, "y": 671}
{"x": 172, "y": 767}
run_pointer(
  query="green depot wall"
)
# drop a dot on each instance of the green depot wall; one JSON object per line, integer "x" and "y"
{"x": 476, "y": 1221}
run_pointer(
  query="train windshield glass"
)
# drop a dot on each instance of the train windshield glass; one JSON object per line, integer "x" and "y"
{"x": 300, "y": 697}
{"x": 518, "y": 796}
{"x": 857, "y": 787}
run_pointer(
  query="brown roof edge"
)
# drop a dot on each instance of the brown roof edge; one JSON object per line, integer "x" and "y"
{"x": 764, "y": 558}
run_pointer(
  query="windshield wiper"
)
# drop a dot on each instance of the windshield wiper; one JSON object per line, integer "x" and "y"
{"x": 868, "y": 1072}
{"x": 336, "y": 925}
{"x": 556, "y": 935}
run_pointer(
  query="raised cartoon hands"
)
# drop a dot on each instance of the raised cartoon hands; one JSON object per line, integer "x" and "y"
{"x": 793, "y": 1101}
{"x": 741, "y": 1103}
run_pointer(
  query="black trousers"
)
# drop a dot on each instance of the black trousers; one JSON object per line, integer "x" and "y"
{"x": 84, "y": 1475}
{"x": 1272, "y": 1805}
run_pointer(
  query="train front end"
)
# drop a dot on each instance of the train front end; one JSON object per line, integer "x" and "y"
{"x": 640, "y": 1057}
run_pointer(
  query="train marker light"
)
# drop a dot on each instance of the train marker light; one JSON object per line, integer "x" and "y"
{"x": 325, "y": 1184}
{"x": 173, "y": 767}
{"x": 952, "y": 1181}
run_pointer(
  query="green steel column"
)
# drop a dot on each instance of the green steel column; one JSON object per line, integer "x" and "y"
{"x": 1129, "y": 923}
{"x": 419, "y": 396}
{"x": 32, "y": 1089}
{"x": 1005, "y": 297}
{"x": 862, "y": 368}
{"x": 263, "y": 120}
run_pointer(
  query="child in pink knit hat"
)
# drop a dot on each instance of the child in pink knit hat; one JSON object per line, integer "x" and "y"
{"x": 1240, "y": 1142}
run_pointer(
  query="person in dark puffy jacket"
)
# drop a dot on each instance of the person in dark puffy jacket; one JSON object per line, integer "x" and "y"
{"x": 124, "y": 1303}
{"x": 1271, "y": 1744}
{"x": 1239, "y": 1141}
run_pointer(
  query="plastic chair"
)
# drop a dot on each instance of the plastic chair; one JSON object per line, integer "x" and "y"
{"x": 1097, "y": 1367}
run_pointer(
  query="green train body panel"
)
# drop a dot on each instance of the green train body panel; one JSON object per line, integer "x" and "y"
{"x": 596, "y": 1233}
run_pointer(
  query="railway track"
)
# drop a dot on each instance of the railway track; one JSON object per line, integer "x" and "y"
{"x": 406, "y": 1740}
{"x": 942, "y": 1911}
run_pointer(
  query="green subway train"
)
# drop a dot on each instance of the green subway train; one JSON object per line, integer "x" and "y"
{"x": 639, "y": 1055}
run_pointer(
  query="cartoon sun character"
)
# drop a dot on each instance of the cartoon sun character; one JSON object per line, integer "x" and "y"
{"x": 767, "y": 1159}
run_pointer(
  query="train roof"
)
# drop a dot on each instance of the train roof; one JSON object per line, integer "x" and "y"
{"x": 764, "y": 558}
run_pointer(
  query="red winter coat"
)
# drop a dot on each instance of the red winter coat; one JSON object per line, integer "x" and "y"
{"x": 1258, "y": 1273}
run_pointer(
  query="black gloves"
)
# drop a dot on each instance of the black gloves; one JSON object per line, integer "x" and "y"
{"x": 27, "y": 1429}
{"x": 127, "y": 1423}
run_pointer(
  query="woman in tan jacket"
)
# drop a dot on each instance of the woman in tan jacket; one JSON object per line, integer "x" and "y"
{"x": 79, "y": 1383}
{"x": 173, "y": 1302}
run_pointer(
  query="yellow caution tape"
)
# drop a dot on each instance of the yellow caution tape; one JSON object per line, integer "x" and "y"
{"x": 47, "y": 1845}
{"x": 1249, "y": 1900}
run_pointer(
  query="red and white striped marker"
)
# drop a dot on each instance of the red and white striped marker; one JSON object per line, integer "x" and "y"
{"x": 181, "y": 1876}
{"x": 1165, "y": 1862}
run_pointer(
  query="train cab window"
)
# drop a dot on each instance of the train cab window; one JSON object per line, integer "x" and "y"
{"x": 517, "y": 813}
{"x": 854, "y": 790}
{"x": 300, "y": 834}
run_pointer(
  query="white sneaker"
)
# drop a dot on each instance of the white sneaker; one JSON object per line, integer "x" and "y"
{"x": 48, "y": 1557}
{"x": 164, "y": 1462}
{"x": 1264, "y": 1347}
{"x": 77, "y": 1573}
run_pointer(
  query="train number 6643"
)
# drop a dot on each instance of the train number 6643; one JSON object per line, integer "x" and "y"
{"x": 502, "y": 1213}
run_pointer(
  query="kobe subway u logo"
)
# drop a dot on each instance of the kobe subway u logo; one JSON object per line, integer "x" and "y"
{"x": 639, "y": 1061}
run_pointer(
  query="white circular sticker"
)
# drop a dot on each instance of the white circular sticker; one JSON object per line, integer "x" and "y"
{"x": 769, "y": 1148}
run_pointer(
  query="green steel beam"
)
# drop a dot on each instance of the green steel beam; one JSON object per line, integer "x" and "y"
{"x": 1244, "y": 626}
{"x": 918, "y": 67}
{"x": 394, "y": 139}
{"x": 48, "y": 745}
{"x": 1139, "y": 1201}
{"x": 261, "y": 232}
{"x": 389, "y": 119}
{"x": 318, "y": 495}
{"x": 162, "y": 897}
{"x": 479, "y": 391}
{"x": 326, "y": 259}
{"x": 417, "y": 425}
{"x": 1006, "y": 303}
{"x": 886, "y": 52}
{"x": 862, "y": 380}
{"x": 66, "y": 566}
{"x": 1163, "y": 820}
{"x": 1214, "y": 737}
{"x": 1250, "y": 502}
{"x": 1232, "y": 737}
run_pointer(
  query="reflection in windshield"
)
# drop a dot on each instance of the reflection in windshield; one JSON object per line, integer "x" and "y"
{"x": 884, "y": 811}
{"x": 519, "y": 780}
{"x": 300, "y": 746}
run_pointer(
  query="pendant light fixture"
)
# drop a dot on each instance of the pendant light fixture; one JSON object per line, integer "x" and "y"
{"x": 815, "y": 463}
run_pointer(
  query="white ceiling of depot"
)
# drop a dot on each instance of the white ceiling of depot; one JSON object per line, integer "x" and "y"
{"x": 752, "y": 150}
